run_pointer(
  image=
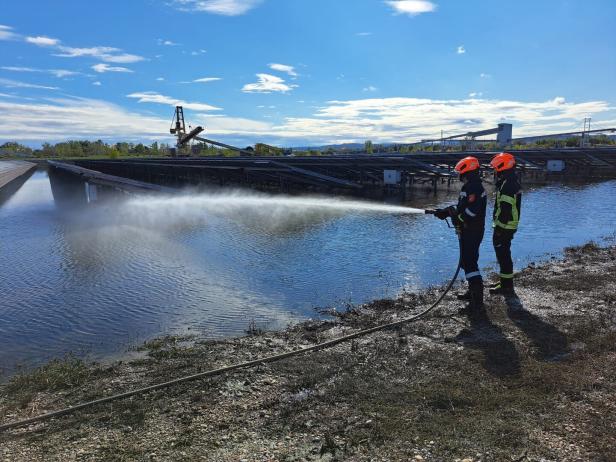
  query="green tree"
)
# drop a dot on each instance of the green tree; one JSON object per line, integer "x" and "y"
{"x": 12, "y": 148}
{"x": 123, "y": 148}
{"x": 140, "y": 149}
{"x": 572, "y": 142}
{"x": 368, "y": 147}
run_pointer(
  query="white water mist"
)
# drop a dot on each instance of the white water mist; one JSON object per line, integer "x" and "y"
{"x": 252, "y": 210}
{"x": 219, "y": 202}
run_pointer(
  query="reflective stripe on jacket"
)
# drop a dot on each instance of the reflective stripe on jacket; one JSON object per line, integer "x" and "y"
{"x": 471, "y": 207}
{"x": 508, "y": 203}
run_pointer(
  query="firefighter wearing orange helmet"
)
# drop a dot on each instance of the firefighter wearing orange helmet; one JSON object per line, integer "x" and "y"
{"x": 469, "y": 218}
{"x": 507, "y": 208}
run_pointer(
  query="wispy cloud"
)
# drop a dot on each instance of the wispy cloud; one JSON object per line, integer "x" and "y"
{"x": 363, "y": 34}
{"x": 283, "y": 68}
{"x": 96, "y": 83}
{"x": 42, "y": 41}
{"x": 461, "y": 50}
{"x": 6, "y": 33}
{"x": 475, "y": 94}
{"x": 412, "y": 119}
{"x": 268, "y": 84}
{"x": 8, "y": 83}
{"x": 18, "y": 69}
{"x": 370, "y": 88}
{"x": 66, "y": 118}
{"x": 206, "y": 79}
{"x": 483, "y": 75}
{"x": 101, "y": 68}
{"x": 167, "y": 43}
{"x": 107, "y": 54}
{"x": 157, "y": 98}
{"x": 222, "y": 7}
{"x": 379, "y": 119}
{"x": 412, "y": 7}
{"x": 60, "y": 73}
{"x": 104, "y": 53}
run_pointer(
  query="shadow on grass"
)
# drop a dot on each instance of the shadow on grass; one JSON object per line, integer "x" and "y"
{"x": 551, "y": 343}
{"x": 500, "y": 356}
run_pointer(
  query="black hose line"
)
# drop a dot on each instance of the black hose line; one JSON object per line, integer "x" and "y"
{"x": 222, "y": 370}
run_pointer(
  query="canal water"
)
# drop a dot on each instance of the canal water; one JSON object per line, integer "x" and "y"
{"x": 97, "y": 280}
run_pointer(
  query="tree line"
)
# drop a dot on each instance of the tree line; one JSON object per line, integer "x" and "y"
{"x": 100, "y": 149}
{"x": 85, "y": 148}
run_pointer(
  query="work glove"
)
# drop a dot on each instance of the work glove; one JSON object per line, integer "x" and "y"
{"x": 441, "y": 214}
{"x": 457, "y": 224}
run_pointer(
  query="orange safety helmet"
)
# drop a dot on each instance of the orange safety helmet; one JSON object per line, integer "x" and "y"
{"x": 503, "y": 161}
{"x": 468, "y": 164}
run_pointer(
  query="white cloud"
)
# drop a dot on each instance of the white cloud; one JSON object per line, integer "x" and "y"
{"x": 461, "y": 50}
{"x": 198, "y": 52}
{"x": 97, "y": 83}
{"x": 268, "y": 84}
{"x": 412, "y": 119}
{"x": 223, "y": 7}
{"x": 483, "y": 75}
{"x": 363, "y": 34}
{"x": 42, "y": 41}
{"x": 104, "y": 53}
{"x": 160, "y": 79}
{"x": 370, "y": 88}
{"x": 6, "y": 33}
{"x": 412, "y": 7}
{"x": 101, "y": 67}
{"x": 379, "y": 119}
{"x": 60, "y": 73}
{"x": 167, "y": 43}
{"x": 206, "y": 79}
{"x": 157, "y": 98}
{"x": 8, "y": 83}
{"x": 475, "y": 94}
{"x": 283, "y": 68}
{"x": 107, "y": 54}
{"x": 19, "y": 69}
{"x": 66, "y": 118}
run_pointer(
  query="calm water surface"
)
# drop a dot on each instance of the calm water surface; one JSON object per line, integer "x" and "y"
{"x": 95, "y": 281}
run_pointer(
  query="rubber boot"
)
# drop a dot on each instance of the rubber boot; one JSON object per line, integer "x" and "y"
{"x": 505, "y": 288}
{"x": 465, "y": 296}
{"x": 475, "y": 304}
{"x": 476, "y": 290}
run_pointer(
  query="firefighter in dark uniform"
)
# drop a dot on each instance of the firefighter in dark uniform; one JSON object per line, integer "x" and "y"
{"x": 507, "y": 208}
{"x": 468, "y": 217}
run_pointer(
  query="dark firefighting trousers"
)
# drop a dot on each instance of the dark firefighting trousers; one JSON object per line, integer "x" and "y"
{"x": 471, "y": 240}
{"x": 502, "y": 247}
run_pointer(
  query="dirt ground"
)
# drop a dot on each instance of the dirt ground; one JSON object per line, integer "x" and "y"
{"x": 533, "y": 380}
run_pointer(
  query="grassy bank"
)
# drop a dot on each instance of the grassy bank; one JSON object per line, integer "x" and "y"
{"x": 535, "y": 379}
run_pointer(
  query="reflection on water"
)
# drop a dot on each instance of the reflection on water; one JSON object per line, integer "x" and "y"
{"x": 95, "y": 280}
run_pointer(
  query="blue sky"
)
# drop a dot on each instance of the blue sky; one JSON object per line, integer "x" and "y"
{"x": 297, "y": 72}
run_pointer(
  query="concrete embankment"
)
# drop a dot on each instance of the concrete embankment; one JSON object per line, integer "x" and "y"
{"x": 534, "y": 379}
{"x": 11, "y": 170}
